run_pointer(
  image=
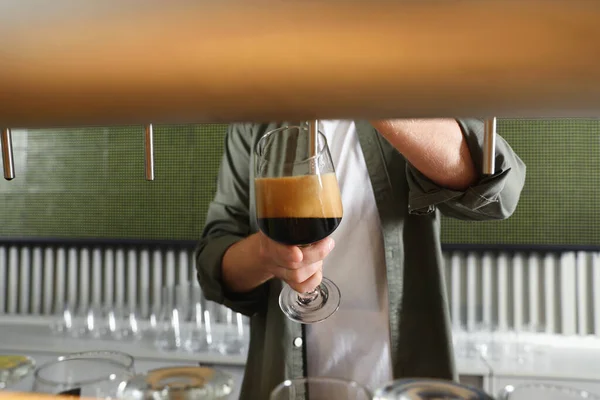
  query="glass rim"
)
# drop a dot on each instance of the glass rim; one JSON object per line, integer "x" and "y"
{"x": 99, "y": 354}
{"x": 321, "y": 379}
{"x": 67, "y": 358}
{"x": 322, "y": 149}
{"x": 393, "y": 387}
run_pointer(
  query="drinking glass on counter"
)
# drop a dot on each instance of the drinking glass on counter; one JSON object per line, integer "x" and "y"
{"x": 98, "y": 322}
{"x": 422, "y": 389}
{"x": 67, "y": 323}
{"x": 95, "y": 374}
{"x": 482, "y": 340}
{"x": 13, "y": 368}
{"x": 298, "y": 203}
{"x": 319, "y": 388}
{"x": 178, "y": 383}
{"x": 196, "y": 333}
{"x": 228, "y": 333}
{"x": 171, "y": 319}
{"x": 233, "y": 340}
{"x": 521, "y": 344}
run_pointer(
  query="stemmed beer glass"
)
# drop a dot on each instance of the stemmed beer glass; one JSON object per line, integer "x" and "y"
{"x": 298, "y": 203}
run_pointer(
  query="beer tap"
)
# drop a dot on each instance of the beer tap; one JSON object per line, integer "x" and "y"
{"x": 489, "y": 146}
{"x": 7, "y": 154}
{"x": 149, "y": 152}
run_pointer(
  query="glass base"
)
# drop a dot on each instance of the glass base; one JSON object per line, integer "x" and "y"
{"x": 325, "y": 303}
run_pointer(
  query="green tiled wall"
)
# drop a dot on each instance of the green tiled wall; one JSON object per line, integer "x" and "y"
{"x": 560, "y": 204}
{"x": 89, "y": 183}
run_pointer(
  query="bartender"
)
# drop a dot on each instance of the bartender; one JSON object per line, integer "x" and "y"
{"x": 395, "y": 177}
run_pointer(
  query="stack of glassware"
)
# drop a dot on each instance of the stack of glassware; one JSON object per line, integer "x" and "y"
{"x": 183, "y": 321}
{"x": 488, "y": 341}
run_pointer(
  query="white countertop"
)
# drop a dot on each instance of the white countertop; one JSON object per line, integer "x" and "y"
{"x": 549, "y": 357}
{"x": 472, "y": 366}
{"x": 552, "y": 363}
{"x": 557, "y": 358}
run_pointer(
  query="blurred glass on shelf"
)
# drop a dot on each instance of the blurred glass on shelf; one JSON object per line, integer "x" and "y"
{"x": 233, "y": 339}
{"x": 95, "y": 374}
{"x": 196, "y": 339}
{"x": 486, "y": 340}
{"x": 64, "y": 324}
{"x": 97, "y": 322}
{"x": 180, "y": 320}
{"x": 529, "y": 344}
{"x": 150, "y": 328}
{"x": 480, "y": 340}
{"x": 170, "y": 319}
{"x": 540, "y": 391}
{"x": 131, "y": 329}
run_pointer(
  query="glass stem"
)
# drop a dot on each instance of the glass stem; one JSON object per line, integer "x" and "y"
{"x": 308, "y": 297}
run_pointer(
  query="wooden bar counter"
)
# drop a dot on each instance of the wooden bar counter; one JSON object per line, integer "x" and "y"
{"x": 73, "y": 63}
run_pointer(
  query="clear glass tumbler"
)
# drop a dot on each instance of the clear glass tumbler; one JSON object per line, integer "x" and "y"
{"x": 319, "y": 388}
{"x": 92, "y": 374}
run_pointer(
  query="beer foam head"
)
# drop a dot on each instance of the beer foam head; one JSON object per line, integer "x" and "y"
{"x": 304, "y": 196}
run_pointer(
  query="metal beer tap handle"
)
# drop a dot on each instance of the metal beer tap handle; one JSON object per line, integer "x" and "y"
{"x": 8, "y": 161}
{"x": 489, "y": 146}
{"x": 149, "y": 152}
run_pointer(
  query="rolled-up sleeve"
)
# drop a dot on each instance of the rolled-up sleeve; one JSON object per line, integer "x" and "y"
{"x": 227, "y": 222}
{"x": 492, "y": 197}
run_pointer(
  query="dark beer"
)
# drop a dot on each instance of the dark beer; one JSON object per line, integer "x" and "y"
{"x": 298, "y": 231}
{"x": 298, "y": 210}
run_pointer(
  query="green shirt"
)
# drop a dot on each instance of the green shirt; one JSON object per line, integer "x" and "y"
{"x": 409, "y": 205}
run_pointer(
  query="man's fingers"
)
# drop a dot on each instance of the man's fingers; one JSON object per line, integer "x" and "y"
{"x": 317, "y": 251}
{"x": 309, "y": 284}
{"x": 300, "y": 275}
{"x": 281, "y": 254}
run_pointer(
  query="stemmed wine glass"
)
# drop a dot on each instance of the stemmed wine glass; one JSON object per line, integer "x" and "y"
{"x": 298, "y": 203}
